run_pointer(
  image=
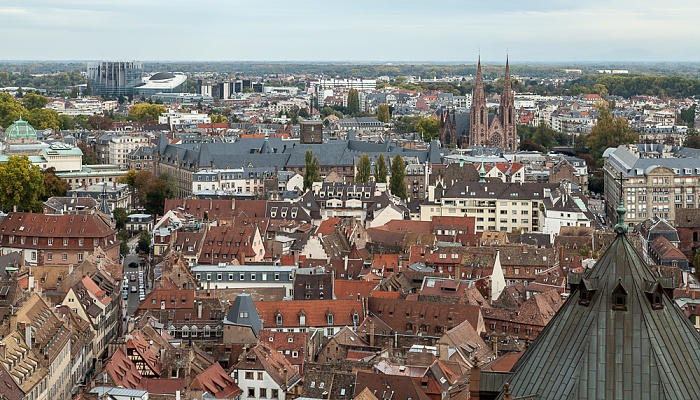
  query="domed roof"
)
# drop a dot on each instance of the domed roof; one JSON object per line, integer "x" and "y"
{"x": 161, "y": 76}
{"x": 20, "y": 130}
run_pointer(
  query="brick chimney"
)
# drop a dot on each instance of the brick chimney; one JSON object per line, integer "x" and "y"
{"x": 474, "y": 381}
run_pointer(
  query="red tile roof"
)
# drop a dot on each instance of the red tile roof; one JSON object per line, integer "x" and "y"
{"x": 351, "y": 289}
{"x": 215, "y": 381}
{"x": 123, "y": 371}
{"x": 316, "y": 312}
{"x": 327, "y": 227}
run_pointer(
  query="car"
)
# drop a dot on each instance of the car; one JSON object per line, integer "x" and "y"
{"x": 133, "y": 289}
{"x": 126, "y": 295}
{"x": 142, "y": 297}
{"x": 132, "y": 278}
{"x": 133, "y": 264}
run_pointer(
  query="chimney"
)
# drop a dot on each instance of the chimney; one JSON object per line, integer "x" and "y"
{"x": 3, "y": 350}
{"x": 371, "y": 333}
{"x": 474, "y": 381}
{"x": 286, "y": 378}
{"x": 199, "y": 310}
{"x": 494, "y": 343}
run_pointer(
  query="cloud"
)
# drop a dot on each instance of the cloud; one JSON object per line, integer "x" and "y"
{"x": 442, "y": 30}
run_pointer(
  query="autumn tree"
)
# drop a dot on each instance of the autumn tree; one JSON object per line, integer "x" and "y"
{"x": 146, "y": 112}
{"x": 380, "y": 170}
{"x": 89, "y": 155}
{"x": 608, "y": 132}
{"x": 10, "y": 110}
{"x": 428, "y": 128}
{"x": 22, "y": 185}
{"x": 100, "y": 122}
{"x": 383, "y": 113}
{"x": 397, "y": 186}
{"x": 42, "y": 118}
{"x": 353, "y": 102}
{"x": 312, "y": 170}
{"x": 53, "y": 185}
{"x": 33, "y": 101}
{"x": 364, "y": 169}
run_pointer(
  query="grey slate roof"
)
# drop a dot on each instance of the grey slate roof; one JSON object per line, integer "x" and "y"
{"x": 649, "y": 350}
{"x": 244, "y": 313}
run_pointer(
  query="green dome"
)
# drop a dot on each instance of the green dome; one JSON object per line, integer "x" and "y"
{"x": 20, "y": 130}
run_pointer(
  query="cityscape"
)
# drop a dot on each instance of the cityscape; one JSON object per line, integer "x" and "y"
{"x": 506, "y": 223}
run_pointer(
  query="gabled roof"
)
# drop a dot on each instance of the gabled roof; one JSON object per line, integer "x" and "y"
{"x": 386, "y": 387}
{"x": 316, "y": 312}
{"x": 217, "y": 383}
{"x": 617, "y": 336}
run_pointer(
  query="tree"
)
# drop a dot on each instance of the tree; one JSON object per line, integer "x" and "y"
{"x": 53, "y": 185}
{"x": 696, "y": 263}
{"x": 100, "y": 122}
{"x": 544, "y": 136}
{"x": 129, "y": 179}
{"x": 146, "y": 112}
{"x": 380, "y": 170}
{"x": 33, "y": 101}
{"x": 21, "y": 185}
{"x": 218, "y": 119}
{"x": 364, "y": 169}
{"x": 383, "y": 113}
{"x": 428, "y": 128}
{"x": 65, "y": 122}
{"x": 608, "y": 132}
{"x": 397, "y": 186}
{"x": 154, "y": 191}
{"x": 312, "y": 174}
{"x": 89, "y": 155}
{"x": 119, "y": 215}
{"x": 74, "y": 93}
{"x": 144, "y": 243}
{"x": 692, "y": 139}
{"x": 42, "y": 118}
{"x": 10, "y": 110}
{"x": 353, "y": 102}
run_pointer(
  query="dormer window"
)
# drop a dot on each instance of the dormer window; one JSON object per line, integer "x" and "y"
{"x": 330, "y": 319}
{"x": 619, "y": 298}
{"x": 279, "y": 319}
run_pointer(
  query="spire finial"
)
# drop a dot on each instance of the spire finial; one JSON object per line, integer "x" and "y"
{"x": 621, "y": 227}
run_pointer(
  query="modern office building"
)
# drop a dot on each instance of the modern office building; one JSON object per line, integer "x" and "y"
{"x": 114, "y": 78}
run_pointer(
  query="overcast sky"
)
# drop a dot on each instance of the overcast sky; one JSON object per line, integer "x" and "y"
{"x": 359, "y": 30}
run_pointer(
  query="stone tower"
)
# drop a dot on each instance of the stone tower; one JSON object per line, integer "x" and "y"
{"x": 479, "y": 118}
{"x": 506, "y": 113}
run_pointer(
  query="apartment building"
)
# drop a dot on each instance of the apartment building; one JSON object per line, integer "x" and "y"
{"x": 653, "y": 187}
{"x": 496, "y": 206}
{"x": 119, "y": 148}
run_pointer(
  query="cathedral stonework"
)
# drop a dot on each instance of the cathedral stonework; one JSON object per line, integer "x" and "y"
{"x": 501, "y": 131}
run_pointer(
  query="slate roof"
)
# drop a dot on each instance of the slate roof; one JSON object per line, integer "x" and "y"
{"x": 640, "y": 347}
{"x": 244, "y": 313}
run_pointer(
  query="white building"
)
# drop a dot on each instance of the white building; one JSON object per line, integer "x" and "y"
{"x": 180, "y": 120}
{"x": 226, "y": 276}
{"x": 120, "y": 147}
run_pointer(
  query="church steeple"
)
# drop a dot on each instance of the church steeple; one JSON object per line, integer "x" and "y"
{"x": 506, "y": 112}
{"x": 482, "y": 170}
{"x": 479, "y": 118}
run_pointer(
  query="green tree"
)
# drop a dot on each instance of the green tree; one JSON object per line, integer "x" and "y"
{"x": 144, "y": 243}
{"x": 53, "y": 185}
{"x": 397, "y": 186}
{"x": 428, "y": 128}
{"x": 74, "y": 93}
{"x": 146, "y": 112}
{"x": 312, "y": 170}
{"x": 544, "y": 136}
{"x": 119, "y": 215}
{"x": 42, "y": 118}
{"x": 608, "y": 132}
{"x": 383, "y": 113}
{"x": 33, "y": 101}
{"x": 218, "y": 119}
{"x": 353, "y": 102}
{"x": 129, "y": 178}
{"x": 154, "y": 192}
{"x": 696, "y": 264}
{"x": 65, "y": 122}
{"x": 10, "y": 110}
{"x": 380, "y": 170}
{"x": 364, "y": 169}
{"x": 687, "y": 116}
{"x": 21, "y": 185}
{"x": 123, "y": 248}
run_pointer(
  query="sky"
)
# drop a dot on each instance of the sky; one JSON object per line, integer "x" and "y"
{"x": 359, "y": 30}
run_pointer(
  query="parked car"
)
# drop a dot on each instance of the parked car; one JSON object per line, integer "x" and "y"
{"x": 133, "y": 264}
{"x": 126, "y": 295}
{"x": 134, "y": 289}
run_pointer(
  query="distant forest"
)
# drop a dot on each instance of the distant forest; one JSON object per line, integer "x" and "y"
{"x": 660, "y": 79}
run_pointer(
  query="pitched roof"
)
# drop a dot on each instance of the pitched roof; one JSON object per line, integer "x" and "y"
{"x": 215, "y": 381}
{"x": 351, "y": 289}
{"x": 262, "y": 357}
{"x": 316, "y": 312}
{"x": 386, "y": 387}
{"x": 244, "y": 313}
{"x": 436, "y": 317}
{"x": 617, "y": 336}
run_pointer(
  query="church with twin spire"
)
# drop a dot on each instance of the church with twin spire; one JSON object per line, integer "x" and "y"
{"x": 484, "y": 129}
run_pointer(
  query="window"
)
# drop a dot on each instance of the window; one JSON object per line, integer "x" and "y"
{"x": 263, "y": 393}
{"x": 251, "y": 393}
{"x": 330, "y": 319}
{"x": 49, "y": 256}
{"x": 493, "y": 327}
{"x": 80, "y": 256}
{"x": 64, "y": 257}
{"x": 65, "y": 242}
{"x": 295, "y": 354}
{"x": 249, "y": 375}
{"x": 260, "y": 376}
{"x": 279, "y": 319}
{"x": 50, "y": 241}
{"x": 80, "y": 242}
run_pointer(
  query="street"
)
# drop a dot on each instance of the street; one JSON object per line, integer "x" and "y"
{"x": 132, "y": 302}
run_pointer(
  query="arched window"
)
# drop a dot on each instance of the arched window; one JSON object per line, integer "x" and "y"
{"x": 279, "y": 319}
{"x": 193, "y": 332}
{"x": 207, "y": 331}
{"x": 695, "y": 236}
{"x": 481, "y": 116}
{"x": 185, "y": 331}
